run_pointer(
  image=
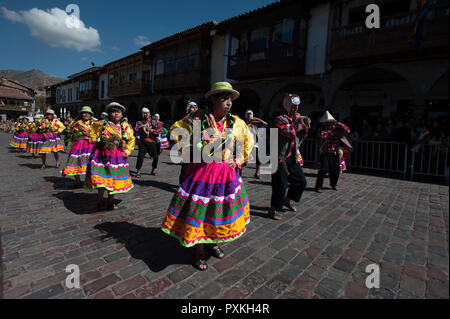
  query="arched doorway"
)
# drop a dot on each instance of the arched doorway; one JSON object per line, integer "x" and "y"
{"x": 437, "y": 99}
{"x": 373, "y": 94}
{"x": 163, "y": 109}
{"x": 132, "y": 113}
{"x": 248, "y": 100}
{"x": 180, "y": 107}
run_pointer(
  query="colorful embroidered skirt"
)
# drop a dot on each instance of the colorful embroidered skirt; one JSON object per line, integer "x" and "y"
{"x": 35, "y": 142}
{"x": 164, "y": 142}
{"x": 109, "y": 170}
{"x": 210, "y": 206}
{"x": 78, "y": 158}
{"x": 19, "y": 140}
{"x": 52, "y": 143}
{"x": 342, "y": 165}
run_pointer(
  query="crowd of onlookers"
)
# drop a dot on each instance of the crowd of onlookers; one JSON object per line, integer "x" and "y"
{"x": 410, "y": 131}
{"x": 7, "y": 126}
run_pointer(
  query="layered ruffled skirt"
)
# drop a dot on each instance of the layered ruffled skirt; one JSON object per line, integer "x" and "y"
{"x": 109, "y": 170}
{"x": 164, "y": 142}
{"x": 52, "y": 143}
{"x": 78, "y": 158}
{"x": 35, "y": 142}
{"x": 19, "y": 140}
{"x": 210, "y": 206}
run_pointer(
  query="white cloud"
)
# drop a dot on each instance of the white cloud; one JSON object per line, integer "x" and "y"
{"x": 141, "y": 40}
{"x": 52, "y": 27}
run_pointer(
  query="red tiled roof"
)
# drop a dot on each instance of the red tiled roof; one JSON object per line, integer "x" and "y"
{"x": 8, "y": 92}
{"x": 181, "y": 34}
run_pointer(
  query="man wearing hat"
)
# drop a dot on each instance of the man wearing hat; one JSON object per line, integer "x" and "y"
{"x": 78, "y": 134}
{"x": 254, "y": 124}
{"x": 147, "y": 132}
{"x": 103, "y": 116}
{"x": 329, "y": 151}
{"x": 289, "y": 175}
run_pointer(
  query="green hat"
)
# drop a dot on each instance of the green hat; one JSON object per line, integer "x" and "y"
{"x": 39, "y": 116}
{"x": 222, "y": 87}
{"x": 86, "y": 109}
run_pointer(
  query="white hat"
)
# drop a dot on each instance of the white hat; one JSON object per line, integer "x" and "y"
{"x": 115, "y": 104}
{"x": 145, "y": 110}
{"x": 157, "y": 115}
{"x": 327, "y": 117}
{"x": 191, "y": 104}
{"x": 104, "y": 113}
{"x": 289, "y": 100}
{"x": 50, "y": 111}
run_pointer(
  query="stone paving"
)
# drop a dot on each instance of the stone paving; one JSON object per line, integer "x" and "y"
{"x": 321, "y": 251}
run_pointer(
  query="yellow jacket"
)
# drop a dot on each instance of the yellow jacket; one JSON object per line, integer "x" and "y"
{"x": 112, "y": 129}
{"x": 55, "y": 126}
{"x": 242, "y": 137}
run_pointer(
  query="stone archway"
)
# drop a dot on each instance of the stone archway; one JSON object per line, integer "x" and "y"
{"x": 437, "y": 98}
{"x": 163, "y": 108}
{"x": 248, "y": 100}
{"x": 371, "y": 94}
{"x": 132, "y": 113}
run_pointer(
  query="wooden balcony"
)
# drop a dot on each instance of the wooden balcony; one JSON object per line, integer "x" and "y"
{"x": 182, "y": 81}
{"x": 88, "y": 95}
{"x": 14, "y": 107}
{"x": 130, "y": 88}
{"x": 355, "y": 44}
{"x": 287, "y": 66}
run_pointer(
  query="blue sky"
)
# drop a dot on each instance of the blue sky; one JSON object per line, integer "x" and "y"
{"x": 33, "y": 39}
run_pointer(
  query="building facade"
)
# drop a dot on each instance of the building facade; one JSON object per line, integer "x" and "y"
{"x": 15, "y": 99}
{"x": 321, "y": 50}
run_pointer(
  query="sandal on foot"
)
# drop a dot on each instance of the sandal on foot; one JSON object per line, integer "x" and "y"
{"x": 274, "y": 215}
{"x": 290, "y": 207}
{"x": 216, "y": 252}
{"x": 199, "y": 263}
{"x": 43, "y": 166}
{"x": 112, "y": 207}
{"x": 138, "y": 175}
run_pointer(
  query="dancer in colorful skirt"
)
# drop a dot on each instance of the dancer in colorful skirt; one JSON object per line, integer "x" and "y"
{"x": 163, "y": 139}
{"x": 211, "y": 205}
{"x": 147, "y": 131}
{"x": 191, "y": 108}
{"x": 108, "y": 168}
{"x": 163, "y": 142}
{"x": 289, "y": 175}
{"x": 51, "y": 128}
{"x": 78, "y": 135}
{"x": 20, "y": 137}
{"x": 35, "y": 136}
{"x": 329, "y": 157}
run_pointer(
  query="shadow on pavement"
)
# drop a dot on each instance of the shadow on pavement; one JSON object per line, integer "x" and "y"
{"x": 259, "y": 182}
{"x": 32, "y": 166}
{"x": 161, "y": 185}
{"x": 80, "y": 203}
{"x": 150, "y": 245}
{"x": 60, "y": 182}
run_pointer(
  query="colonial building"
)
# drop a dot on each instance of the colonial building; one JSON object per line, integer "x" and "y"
{"x": 321, "y": 50}
{"x": 15, "y": 99}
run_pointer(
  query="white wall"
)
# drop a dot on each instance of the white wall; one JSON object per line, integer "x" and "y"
{"x": 219, "y": 59}
{"x": 317, "y": 40}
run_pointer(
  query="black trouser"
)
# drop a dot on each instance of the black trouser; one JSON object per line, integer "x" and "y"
{"x": 290, "y": 175}
{"x": 329, "y": 162}
{"x": 147, "y": 147}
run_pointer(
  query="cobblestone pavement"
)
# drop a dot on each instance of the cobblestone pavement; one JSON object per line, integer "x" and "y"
{"x": 319, "y": 252}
